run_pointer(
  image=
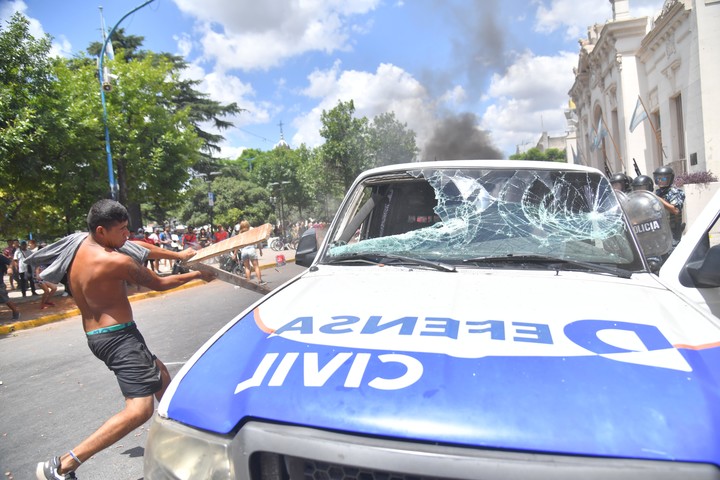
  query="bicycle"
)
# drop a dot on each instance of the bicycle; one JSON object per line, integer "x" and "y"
{"x": 229, "y": 263}
{"x": 286, "y": 243}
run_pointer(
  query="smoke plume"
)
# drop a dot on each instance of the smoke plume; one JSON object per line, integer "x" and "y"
{"x": 458, "y": 137}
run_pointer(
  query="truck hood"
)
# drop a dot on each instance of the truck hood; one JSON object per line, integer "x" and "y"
{"x": 562, "y": 362}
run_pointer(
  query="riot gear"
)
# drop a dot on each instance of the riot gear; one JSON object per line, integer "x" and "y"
{"x": 621, "y": 179}
{"x": 664, "y": 177}
{"x": 643, "y": 182}
{"x": 650, "y": 222}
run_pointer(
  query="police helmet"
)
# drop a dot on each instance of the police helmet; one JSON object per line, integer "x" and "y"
{"x": 664, "y": 174}
{"x": 622, "y": 179}
{"x": 643, "y": 182}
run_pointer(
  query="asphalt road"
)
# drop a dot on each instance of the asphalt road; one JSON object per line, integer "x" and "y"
{"x": 54, "y": 392}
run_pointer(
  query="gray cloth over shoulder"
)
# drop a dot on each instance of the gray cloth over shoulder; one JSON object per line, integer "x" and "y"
{"x": 59, "y": 255}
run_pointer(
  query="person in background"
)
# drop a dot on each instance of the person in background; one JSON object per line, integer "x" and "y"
{"x": 166, "y": 242}
{"x": 155, "y": 237}
{"x": 5, "y": 262}
{"x": 188, "y": 239}
{"x": 203, "y": 238}
{"x": 146, "y": 238}
{"x": 8, "y": 252}
{"x": 48, "y": 288}
{"x": 221, "y": 234}
{"x": 248, "y": 256}
{"x": 673, "y": 199}
{"x": 26, "y": 274}
{"x": 642, "y": 182}
{"x": 620, "y": 182}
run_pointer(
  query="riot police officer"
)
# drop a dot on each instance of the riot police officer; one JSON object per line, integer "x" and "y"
{"x": 643, "y": 182}
{"x": 672, "y": 198}
{"x": 620, "y": 182}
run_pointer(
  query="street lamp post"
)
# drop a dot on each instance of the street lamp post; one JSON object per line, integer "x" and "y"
{"x": 282, "y": 221}
{"x": 111, "y": 175}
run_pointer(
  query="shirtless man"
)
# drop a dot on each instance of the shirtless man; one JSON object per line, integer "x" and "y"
{"x": 98, "y": 276}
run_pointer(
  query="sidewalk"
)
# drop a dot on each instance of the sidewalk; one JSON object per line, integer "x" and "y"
{"x": 31, "y": 315}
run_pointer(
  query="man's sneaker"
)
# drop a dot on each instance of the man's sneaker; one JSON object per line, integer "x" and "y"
{"x": 49, "y": 471}
{"x": 262, "y": 282}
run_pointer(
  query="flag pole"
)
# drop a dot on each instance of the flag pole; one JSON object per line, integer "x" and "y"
{"x": 607, "y": 170}
{"x": 655, "y": 132}
{"x": 602, "y": 117}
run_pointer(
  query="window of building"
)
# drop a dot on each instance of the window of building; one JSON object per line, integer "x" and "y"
{"x": 658, "y": 138}
{"x": 676, "y": 112}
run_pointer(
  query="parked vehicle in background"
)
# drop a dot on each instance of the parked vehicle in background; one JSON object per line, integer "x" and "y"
{"x": 458, "y": 320}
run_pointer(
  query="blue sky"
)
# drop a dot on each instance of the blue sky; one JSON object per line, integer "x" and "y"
{"x": 502, "y": 66}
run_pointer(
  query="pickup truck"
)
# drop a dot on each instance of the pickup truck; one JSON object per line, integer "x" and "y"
{"x": 458, "y": 320}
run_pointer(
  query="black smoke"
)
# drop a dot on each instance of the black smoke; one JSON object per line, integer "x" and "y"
{"x": 458, "y": 137}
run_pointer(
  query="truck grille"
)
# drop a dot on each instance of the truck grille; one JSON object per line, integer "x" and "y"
{"x": 264, "y": 451}
{"x": 307, "y": 469}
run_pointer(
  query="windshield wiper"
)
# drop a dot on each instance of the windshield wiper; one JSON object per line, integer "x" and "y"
{"x": 384, "y": 258}
{"x": 510, "y": 258}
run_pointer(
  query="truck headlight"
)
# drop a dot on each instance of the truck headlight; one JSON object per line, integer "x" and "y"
{"x": 174, "y": 451}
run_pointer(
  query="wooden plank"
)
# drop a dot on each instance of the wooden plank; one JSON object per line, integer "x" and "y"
{"x": 231, "y": 278}
{"x": 252, "y": 236}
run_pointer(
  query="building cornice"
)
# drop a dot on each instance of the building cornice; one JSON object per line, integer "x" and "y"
{"x": 671, "y": 17}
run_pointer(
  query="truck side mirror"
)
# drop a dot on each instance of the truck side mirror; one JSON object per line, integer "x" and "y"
{"x": 307, "y": 248}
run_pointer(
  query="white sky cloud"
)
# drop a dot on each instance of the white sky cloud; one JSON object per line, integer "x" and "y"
{"x": 520, "y": 109}
{"x": 60, "y": 46}
{"x": 575, "y": 16}
{"x": 261, "y": 35}
{"x": 388, "y": 89}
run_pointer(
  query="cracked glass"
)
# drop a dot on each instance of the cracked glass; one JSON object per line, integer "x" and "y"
{"x": 456, "y": 215}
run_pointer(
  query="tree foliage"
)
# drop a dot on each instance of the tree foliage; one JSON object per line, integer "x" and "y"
{"x": 345, "y": 151}
{"x": 25, "y": 87}
{"x": 391, "y": 141}
{"x": 549, "y": 155}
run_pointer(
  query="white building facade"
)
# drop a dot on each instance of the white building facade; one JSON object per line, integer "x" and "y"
{"x": 672, "y": 65}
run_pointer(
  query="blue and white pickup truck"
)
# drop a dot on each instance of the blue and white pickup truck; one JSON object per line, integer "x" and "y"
{"x": 458, "y": 320}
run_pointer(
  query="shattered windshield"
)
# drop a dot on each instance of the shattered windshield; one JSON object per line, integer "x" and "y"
{"x": 456, "y": 215}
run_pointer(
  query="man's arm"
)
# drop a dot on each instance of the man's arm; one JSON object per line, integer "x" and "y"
{"x": 160, "y": 253}
{"x": 137, "y": 274}
{"x": 669, "y": 206}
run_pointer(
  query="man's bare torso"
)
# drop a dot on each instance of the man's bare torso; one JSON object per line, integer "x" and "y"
{"x": 97, "y": 279}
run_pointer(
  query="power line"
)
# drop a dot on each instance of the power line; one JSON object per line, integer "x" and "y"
{"x": 254, "y": 134}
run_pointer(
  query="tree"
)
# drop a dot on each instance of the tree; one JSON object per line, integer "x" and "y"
{"x": 391, "y": 141}
{"x": 25, "y": 87}
{"x": 153, "y": 140}
{"x": 549, "y": 155}
{"x": 556, "y": 155}
{"x": 345, "y": 151}
{"x": 281, "y": 171}
{"x": 237, "y": 198}
{"x": 202, "y": 109}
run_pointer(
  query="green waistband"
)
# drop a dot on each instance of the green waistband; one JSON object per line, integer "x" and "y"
{"x": 112, "y": 328}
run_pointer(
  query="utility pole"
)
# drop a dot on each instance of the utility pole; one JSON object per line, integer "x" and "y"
{"x": 107, "y": 87}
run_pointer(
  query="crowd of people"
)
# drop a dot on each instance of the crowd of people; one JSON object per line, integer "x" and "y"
{"x": 17, "y": 275}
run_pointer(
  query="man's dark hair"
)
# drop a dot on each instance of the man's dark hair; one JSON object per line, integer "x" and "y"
{"x": 106, "y": 213}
